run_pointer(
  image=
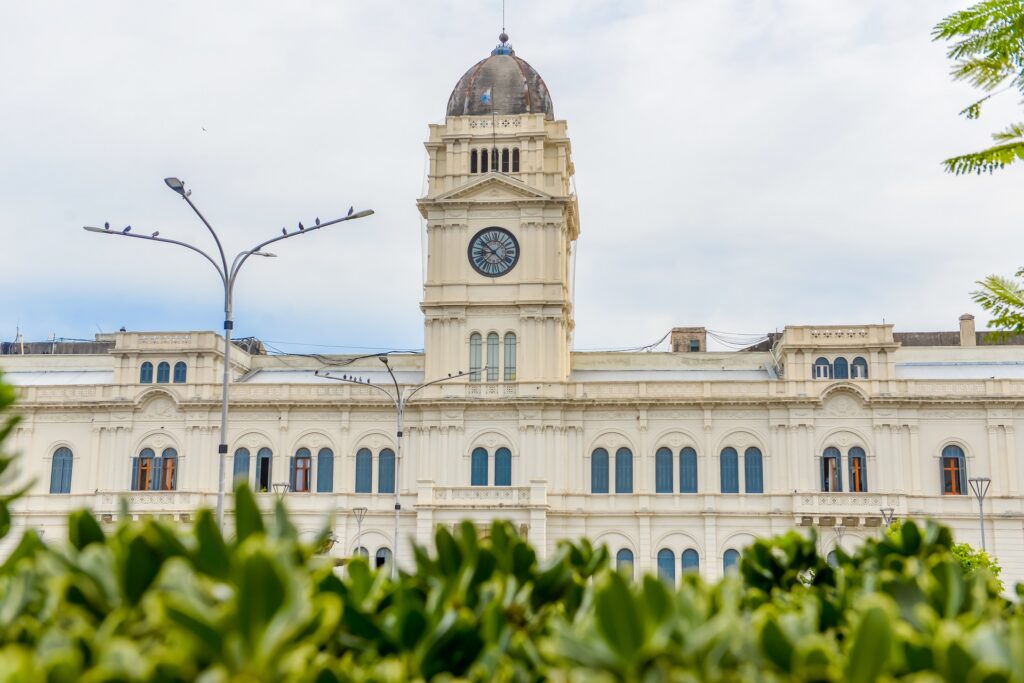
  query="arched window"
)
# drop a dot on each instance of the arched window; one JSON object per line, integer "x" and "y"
{"x": 504, "y": 160}
{"x": 503, "y": 467}
{"x": 667, "y": 566}
{"x": 691, "y": 561}
{"x": 494, "y": 159}
{"x": 362, "y": 552}
{"x": 624, "y": 561}
{"x": 731, "y": 561}
{"x": 180, "y": 371}
{"x": 264, "y": 466}
{"x": 859, "y": 368}
{"x": 301, "y": 469}
{"x": 142, "y": 470}
{"x": 60, "y": 470}
{"x": 663, "y": 471}
{"x": 831, "y": 479}
{"x": 472, "y": 162}
{"x": 623, "y": 471}
{"x": 478, "y": 467}
{"x": 240, "y": 467}
{"x": 475, "y": 343}
{"x": 954, "y": 471}
{"x": 599, "y": 471}
{"x": 515, "y": 160}
{"x": 167, "y": 466}
{"x": 325, "y": 470}
{"x": 146, "y": 373}
{"x": 858, "y": 470}
{"x": 840, "y": 370}
{"x": 832, "y": 559}
{"x": 382, "y": 558}
{"x": 753, "y": 470}
{"x": 386, "y": 471}
{"x": 163, "y": 373}
{"x": 510, "y": 357}
{"x": 492, "y": 357}
{"x": 730, "y": 470}
{"x": 822, "y": 369}
{"x": 483, "y": 160}
{"x": 364, "y": 471}
{"x": 688, "y": 470}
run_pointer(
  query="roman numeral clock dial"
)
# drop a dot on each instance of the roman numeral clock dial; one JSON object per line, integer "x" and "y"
{"x": 493, "y": 252}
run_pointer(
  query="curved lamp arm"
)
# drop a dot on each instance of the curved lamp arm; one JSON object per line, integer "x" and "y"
{"x": 199, "y": 251}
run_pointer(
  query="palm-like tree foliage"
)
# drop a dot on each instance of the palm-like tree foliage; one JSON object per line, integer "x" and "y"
{"x": 987, "y": 46}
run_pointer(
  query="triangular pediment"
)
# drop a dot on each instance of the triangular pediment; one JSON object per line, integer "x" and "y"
{"x": 492, "y": 188}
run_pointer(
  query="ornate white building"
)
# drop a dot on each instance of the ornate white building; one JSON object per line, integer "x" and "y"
{"x": 673, "y": 460}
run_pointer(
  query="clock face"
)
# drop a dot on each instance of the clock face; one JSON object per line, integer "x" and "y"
{"x": 493, "y": 252}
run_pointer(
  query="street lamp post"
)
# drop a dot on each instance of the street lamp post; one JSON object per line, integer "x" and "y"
{"x": 359, "y": 512}
{"x": 980, "y": 487}
{"x": 228, "y": 274}
{"x": 400, "y": 399}
{"x": 888, "y": 514}
{"x": 840, "y": 530}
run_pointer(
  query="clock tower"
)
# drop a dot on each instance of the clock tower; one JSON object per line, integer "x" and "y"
{"x": 502, "y": 221}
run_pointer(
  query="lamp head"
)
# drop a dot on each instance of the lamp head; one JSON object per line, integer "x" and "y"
{"x": 383, "y": 358}
{"x": 176, "y": 185}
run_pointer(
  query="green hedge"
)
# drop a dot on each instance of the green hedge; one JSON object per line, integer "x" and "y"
{"x": 152, "y": 602}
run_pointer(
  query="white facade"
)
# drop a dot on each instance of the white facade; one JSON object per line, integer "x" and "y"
{"x": 914, "y": 399}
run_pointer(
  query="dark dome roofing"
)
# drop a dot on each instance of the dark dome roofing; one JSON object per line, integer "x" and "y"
{"x": 516, "y": 88}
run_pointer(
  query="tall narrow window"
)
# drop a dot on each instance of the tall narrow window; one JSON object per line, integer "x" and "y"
{"x": 624, "y": 561}
{"x": 180, "y": 371}
{"x": 691, "y": 561}
{"x": 163, "y": 373}
{"x": 240, "y": 467}
{"x": 623, "y": 471}
{"x": 364, "y": 471}
{"x": 503, "y": 467}
{"x": 302, "y": 466}
{"x": 483, "y": 161}
{"x": 667, "y": 566}
{"x": 840, "y": 370}
{"x": 386, "y": 471}
{"x": 492, "y": 357}
{"x": 599, "y": 471}
{"x": 954, "y": 475}
{"x": 832, "y": 559}
{"x": 753, "y": 470}
{"x": 264, "y": 465}
{"x": 475, "y": 343}
{"x": 478, "y": 467}
{"x": 663, "y": 471}
{"x": 504, "y": 160}
{"x": 472, "y": 162}
{"x": 731, "y": 561}
{"x": 142, "y": 470}
{"x": 515, "y": 160}
{"x": 494, "y": 159}
{"x": 510, "y": 357}
{"x": 146, "y": 373}
{"x": 383, "y": 558}
{"x": 169, "y": 470}
{"x": 858, "y": 470}
{"x": 830, "y": 471}
{"x": 325, "y": 470}
{"x": 60, "y": 471}
{"x": 688, "y": 470}
{"x": 730, "y": 470}
{"x": 859, "y": 368}
{"x": 822, "y": 369}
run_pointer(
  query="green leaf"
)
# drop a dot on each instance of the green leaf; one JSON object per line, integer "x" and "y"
{"x": 776, "y": 646}
{"x": 871, "y": 647}
{"x": 83, "y": 529}
{"x": 140, "y": 567}
{"x": 211, "y": 553}
{"x": 619, "y": 620}
{"x": 261, "y": 593}
{"x": 248, "y": 519}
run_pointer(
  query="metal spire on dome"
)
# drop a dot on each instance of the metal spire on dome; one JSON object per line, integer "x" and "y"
{"x": 503, "y": 47}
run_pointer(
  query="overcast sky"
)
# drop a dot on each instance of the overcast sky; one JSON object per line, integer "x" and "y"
{"x": 740, "y": 165}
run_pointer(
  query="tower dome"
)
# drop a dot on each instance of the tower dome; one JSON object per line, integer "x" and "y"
{"x": 515, "y": 87}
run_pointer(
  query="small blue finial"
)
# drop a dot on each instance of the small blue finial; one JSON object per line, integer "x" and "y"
{"x": 503, "y": 48}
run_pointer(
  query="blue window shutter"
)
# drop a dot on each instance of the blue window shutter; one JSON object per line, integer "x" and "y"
{"x": 56, "y": 465}
{"x": 503, "y": 467}
{"x": 753, "y": 470}
{"x": 170, "y": 459}
{"x": 623, "y": 471}
{"x": 386, "y": 471}
{"x": 69, "y": 462}
{"x": 731, "y": 561}
{"x": 691, "y": 561}
{"x": 180, "y": 372}
{"x": 729, "y": 467}
{"x": 840, "y": 369}
{"x": 478, "y": 467}
{"x": 240, "y": 467}
{"x": 325, "y": 471}
{"x": 667, "y": 566}
{"x": 688, "y": 470}
{"x": 157, "y": 479}
{"x": 364, "y": 471}
{"x": 146, "y": 373}
{"x": 624, "y": 561}
{"x": 663, "y": 471}
{"x": 163, "y": 373}
{"x": 291, "y": 473}
{"x": 599, "y": 471}
{"x": 135, "y": 474}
